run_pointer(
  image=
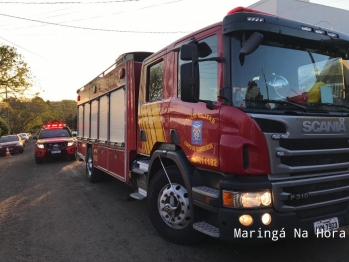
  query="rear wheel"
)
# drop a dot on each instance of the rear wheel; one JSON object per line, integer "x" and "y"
{"x": 168, "y": 208}
{"x": 93, "y": 174}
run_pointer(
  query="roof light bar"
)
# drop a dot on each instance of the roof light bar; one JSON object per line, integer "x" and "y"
{"x": 306, "y": 28}
{"x": 321, "y": 32}
{"x": 332, "y": 34}
{"x": 255, "y": 19}
{"x": 54, "y": 125}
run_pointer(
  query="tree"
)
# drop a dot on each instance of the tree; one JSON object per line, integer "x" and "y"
{"x": 31, "y": 115}
{"x": 3, "y": 127}
{"x": 15, "y": 75}
{"x": 65, "y": 111}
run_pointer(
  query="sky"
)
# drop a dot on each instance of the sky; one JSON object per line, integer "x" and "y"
{"x": 67, "y": 43}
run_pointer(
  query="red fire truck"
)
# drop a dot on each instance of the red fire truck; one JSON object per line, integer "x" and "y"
{"x": 238, "y": 130}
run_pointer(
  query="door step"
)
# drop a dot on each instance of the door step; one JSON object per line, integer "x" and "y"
{"x": 207, "y": 229}
{"x": 140, "y": 195}
{"x": 141, "y": 167}
{"x": 137, "y": 196}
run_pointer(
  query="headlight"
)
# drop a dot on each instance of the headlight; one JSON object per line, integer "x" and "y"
{"x": 18, "y": 144}
{"x": 40, "y": 146}
{"x": 70, "y": 143}
{"x": 247, "y": 199}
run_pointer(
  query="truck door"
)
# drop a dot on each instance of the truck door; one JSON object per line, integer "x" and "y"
{"x": 195, "y": 124}
{"x": 153, "y": 104}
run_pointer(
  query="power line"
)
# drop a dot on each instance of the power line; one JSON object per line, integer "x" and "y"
{"x": 100, "y": 16}
{"x": 95, "y": 29}
{"x": 29, "y": 51}
{"x": 58, "y": 3}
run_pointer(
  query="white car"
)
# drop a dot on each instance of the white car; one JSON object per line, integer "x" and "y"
{"x": 24, "y": 136}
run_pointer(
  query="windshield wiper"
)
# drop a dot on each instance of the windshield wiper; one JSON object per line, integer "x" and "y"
{"x": 280, "y": 102}
{"x": 333, "y": 105}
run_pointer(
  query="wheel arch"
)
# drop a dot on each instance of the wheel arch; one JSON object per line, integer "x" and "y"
{"x": 88, "y": 147}
{"x": 169, "y": 158}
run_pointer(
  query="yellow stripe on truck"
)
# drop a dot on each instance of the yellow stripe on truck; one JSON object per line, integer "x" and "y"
{"x": 151, "y": 124}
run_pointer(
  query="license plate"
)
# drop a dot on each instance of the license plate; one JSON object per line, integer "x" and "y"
{"x": 326, "y": 225}
{"x": 55, "y": 151}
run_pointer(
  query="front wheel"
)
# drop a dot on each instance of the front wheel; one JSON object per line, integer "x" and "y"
{"x": 93, "y": 174}
{"x": 72, "y": 157}
{"x": 38, "y": 160}
{"x": 168, "y": 208}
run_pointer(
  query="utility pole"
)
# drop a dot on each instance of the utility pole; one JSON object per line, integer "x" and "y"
{"x": 8, "y": 112}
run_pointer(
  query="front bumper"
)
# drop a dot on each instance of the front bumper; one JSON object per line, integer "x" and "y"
{"x": 289, "y": 219}
{"x": 47, "y": 153}
{"x": 283, "y": 225}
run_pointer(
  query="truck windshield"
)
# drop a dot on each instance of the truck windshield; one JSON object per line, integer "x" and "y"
{"x": 52, "y": 133}
{"x": 290, "y": 74}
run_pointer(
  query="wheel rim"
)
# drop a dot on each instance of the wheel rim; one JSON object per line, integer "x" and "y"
{"x": 173, "y": 205}
{"x": 89, "y": 165}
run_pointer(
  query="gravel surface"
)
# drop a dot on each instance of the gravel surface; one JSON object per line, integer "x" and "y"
{"x": 50, "y": 212}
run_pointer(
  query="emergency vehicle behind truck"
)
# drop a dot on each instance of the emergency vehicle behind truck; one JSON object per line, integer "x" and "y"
{"x": 54, "y": 140}
{"x": 237, "y": 128}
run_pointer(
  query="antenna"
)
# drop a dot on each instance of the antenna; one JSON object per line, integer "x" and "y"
{"x": 326, "y": 23}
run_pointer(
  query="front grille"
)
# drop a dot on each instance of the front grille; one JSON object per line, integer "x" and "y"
{"x": 321, "y": 211}
{"x": 314, "y": 160}
{"x": 318, "y": 199}
{"x": 304, "y": 194}
{"x": 314, "y": 144}
{"x": 316, "y": 187}
{"x": 317, "y": 172}
{"x": 58, "y": 146}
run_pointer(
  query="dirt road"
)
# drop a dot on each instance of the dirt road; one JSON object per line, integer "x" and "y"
{"x": 50, "y": 212}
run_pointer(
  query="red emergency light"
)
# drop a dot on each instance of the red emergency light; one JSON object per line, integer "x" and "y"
{"x": 54, "y": 125}
{"x": 246, "y": 10}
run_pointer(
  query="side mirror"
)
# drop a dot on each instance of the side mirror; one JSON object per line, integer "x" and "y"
{"x": 189, "y": 52}
{"x": 204, "y": 50}
{"x": 251, "y": 45}
{"x": 190, "y": 82}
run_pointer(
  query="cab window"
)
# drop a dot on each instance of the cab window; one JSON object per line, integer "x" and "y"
{"x": 155, "y": 81}
{"x": 208, "y": 69}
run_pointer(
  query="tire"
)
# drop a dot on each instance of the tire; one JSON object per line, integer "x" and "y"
{"x": 175, "y": 226}
{"x": 72, "y": 158}
{"x": 38, "y": 160}
{"x": 107, "y": 177}
{"x": 93, "y": 174}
